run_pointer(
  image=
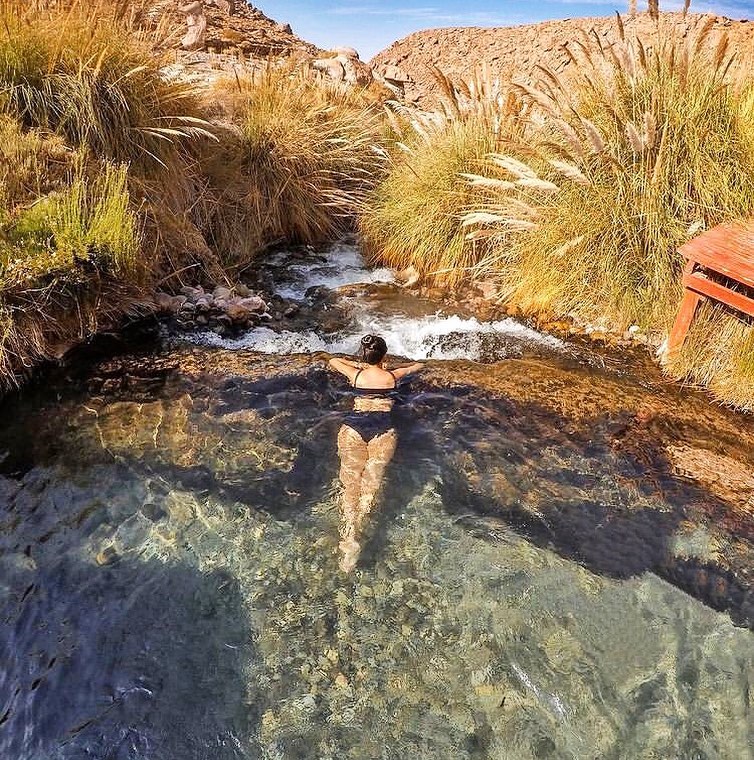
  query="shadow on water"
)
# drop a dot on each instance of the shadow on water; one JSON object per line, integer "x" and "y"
{"x": 609, "y": 499}
{"x": 132, "y": 660}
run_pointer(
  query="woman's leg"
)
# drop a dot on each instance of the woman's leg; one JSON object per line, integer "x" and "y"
{"x": 380, "y": 451}
{"x": 353, "y": 456}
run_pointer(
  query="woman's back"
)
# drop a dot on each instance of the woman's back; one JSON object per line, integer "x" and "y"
{"x": 374, "y": 377}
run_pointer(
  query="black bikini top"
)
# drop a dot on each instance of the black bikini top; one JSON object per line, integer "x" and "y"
{"x": 375, "y": 392}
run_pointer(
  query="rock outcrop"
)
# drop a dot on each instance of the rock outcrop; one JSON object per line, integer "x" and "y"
{"x": 196, "y": 21}
{"x": 222, "y": 310}
{"x": 345, "y": 66}
{"x": 514, "y": 51}
{"x": 226, "y": 26}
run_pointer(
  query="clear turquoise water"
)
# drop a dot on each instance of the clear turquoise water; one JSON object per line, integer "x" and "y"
{"x": 169, "y": 581}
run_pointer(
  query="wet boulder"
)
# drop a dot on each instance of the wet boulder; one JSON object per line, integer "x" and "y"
{"x": 220, "y": 309}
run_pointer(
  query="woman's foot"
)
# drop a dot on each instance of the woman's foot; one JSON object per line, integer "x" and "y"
{"x": 350, "y": 550}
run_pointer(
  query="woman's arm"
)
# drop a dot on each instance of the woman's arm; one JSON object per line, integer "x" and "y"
{"x": 345, "y": 367}
{"x": 403, "y": 371}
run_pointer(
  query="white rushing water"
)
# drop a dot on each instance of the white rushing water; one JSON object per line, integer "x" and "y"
{"x": 428, "y": 336}
{"x": 343, "y": 265}
{"x": 431, "y": 337}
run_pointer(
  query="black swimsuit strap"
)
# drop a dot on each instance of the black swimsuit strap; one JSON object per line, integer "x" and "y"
{"x": 395, "y": 382}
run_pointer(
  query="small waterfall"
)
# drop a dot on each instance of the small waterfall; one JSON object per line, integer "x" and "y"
{"x": 434, "y": 335}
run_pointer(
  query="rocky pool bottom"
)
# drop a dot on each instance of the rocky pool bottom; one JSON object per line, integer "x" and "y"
{"x": 561, "y": 566}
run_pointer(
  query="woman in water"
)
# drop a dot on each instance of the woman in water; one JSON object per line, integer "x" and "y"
{"x": 367, "y": 439}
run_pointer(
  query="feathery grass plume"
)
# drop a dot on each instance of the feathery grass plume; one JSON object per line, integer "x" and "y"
{"x": 653, "y": 6}
{"x": 299, "y": 159}
{"x": 634, "y": 139}
{"x": 415, "y": 212}
{"x": 641, "y": 188}
{"x": 77, "y": 70}
{"x": 621, "y": 29}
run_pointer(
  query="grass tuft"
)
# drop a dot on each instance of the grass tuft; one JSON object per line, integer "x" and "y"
{"x": 298, "y": 161}
{"x": 718, "y": 353}
{"x": 415, "y": 213}
{"x": 76, "y": 70}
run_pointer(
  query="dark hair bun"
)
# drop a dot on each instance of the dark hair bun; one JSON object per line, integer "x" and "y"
{"x": 373, "y": 348}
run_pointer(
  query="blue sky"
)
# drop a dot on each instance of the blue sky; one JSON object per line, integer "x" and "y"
{"x": 372, "y": 26}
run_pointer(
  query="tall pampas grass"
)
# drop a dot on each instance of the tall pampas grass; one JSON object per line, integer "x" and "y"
{"x": 630, "y": 144}
{"x": 415, "y": 212}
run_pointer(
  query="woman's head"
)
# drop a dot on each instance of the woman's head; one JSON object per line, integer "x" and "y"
{"x": 373, "y": 349}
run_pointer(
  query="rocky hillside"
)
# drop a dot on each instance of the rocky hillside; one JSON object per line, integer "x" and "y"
{"x": 232, "y": 27}
{"x": 514, "y": 51}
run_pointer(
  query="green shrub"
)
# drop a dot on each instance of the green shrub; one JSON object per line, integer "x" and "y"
{"x": 83, "y": 228}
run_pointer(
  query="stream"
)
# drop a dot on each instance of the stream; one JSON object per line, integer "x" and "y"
{"x": 561, "y": 564}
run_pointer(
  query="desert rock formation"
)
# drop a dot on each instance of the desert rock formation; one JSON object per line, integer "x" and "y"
{"x": 224, "y": 26}
{"x": 346, "y": 67}
{"x": 514, "y": 51}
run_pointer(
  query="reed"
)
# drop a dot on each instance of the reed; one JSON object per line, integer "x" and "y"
{"x": 629, "y": 146}
{"x": 415, "y": 213}
{"x": 298, "y": 161}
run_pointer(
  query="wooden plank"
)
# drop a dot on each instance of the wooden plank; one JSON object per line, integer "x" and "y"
{"x": 726, "y": 265}
{"x": 700, "y": 284}
{"x": 683, "y": 319}
{"x": 727, "y": 249}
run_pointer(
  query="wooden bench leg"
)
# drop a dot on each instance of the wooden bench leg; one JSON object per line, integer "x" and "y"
{"x": 683, "y": 320}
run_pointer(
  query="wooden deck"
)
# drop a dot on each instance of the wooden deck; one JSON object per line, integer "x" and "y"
{"x": 726, "y": 251}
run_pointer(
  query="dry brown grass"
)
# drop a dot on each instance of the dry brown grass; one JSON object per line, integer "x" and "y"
{"x": 718, "y": 354}
{"x": 298, "y": 160}
{"x": 96, "y": 146}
